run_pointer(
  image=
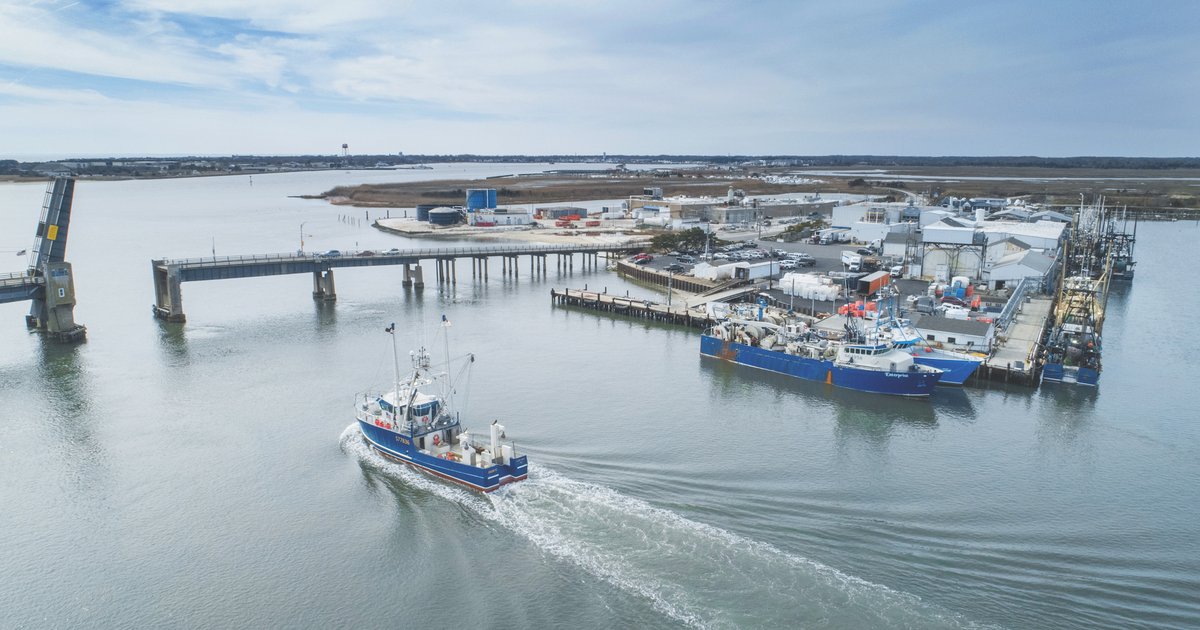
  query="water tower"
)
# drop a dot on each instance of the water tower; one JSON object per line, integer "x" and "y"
{"x": 345, "y": 150}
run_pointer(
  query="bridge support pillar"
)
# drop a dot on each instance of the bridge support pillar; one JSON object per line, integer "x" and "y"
{"x": 418, "y": 277}
{"x": 168, "y": 300}
{"x": 54, "y": 311}
{"x": 323, "y": 285}
{"x": 407, "y": 282}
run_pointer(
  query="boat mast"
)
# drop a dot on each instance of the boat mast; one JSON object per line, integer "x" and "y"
{"x": 446, "y": 341}
{"x": 391, "y": 330}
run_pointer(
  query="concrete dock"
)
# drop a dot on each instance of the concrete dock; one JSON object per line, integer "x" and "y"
{"x": 1014, "y": 359}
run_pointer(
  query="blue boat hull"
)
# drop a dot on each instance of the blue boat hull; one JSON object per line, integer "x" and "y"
{"x": 399, "y": 447}
{"x": 1058, "y": 373}
{"x": 955, "y": 371}
{"x": 871, "y": 381}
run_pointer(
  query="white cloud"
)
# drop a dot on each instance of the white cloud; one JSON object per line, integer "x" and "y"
{"x": 617, "y": 75}
{"x": 53, "y": 95}
{"x": 34, "y": 37}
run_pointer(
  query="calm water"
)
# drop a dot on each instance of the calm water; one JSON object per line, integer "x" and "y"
{"x": 204, "y": 474}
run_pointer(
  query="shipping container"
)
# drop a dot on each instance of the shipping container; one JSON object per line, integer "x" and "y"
{"x": 869, "y": 285}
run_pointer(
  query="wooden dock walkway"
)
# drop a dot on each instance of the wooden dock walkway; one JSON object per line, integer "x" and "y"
{"x": 674, "y": 313}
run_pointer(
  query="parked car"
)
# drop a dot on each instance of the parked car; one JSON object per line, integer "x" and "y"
{"x": 366, "y": 252}
{"x": 685, "y": 258}
{"x": 674, "y": 267}
{"x": 787, "y": 263}
{"x": 865, "y": 251}
{"x": 333, "y": 253}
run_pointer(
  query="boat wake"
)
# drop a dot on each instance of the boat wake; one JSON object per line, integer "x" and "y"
{"x": 696, "y": 574}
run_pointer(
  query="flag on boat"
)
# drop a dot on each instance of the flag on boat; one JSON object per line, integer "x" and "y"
{"x": 391, "y": 328}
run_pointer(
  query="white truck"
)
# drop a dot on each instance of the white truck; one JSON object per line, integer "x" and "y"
{"x": 852, "y": 260}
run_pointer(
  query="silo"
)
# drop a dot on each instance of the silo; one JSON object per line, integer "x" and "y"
{"x": 443, "y": 216}
{"x": 477, "y": 198}
{"x": 423, "y": 210}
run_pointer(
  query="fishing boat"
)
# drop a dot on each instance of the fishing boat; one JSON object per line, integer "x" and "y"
{"x": 956, "y": 367}
{"x": 1073, "y": 348}
{"x": 415, "y": 424}
{"x": 794, "y": 350}
{"x": 900, "y": 332}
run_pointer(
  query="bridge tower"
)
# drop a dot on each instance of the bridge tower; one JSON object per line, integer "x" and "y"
{"x": 53, "y": 302}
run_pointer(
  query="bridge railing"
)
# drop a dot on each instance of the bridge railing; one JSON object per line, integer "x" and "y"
{"x": 18, "y": 278}
{"x": 442, "y": 252}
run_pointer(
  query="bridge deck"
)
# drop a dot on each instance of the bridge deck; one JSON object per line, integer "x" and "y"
{"x": 226, "y": 267}
{"x": 18, "y": 286}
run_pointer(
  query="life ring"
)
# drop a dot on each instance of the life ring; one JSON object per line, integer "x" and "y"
{"x": 436, "y": 440}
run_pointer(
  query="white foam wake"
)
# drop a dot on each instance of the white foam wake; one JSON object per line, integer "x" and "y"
{"x": 697, "y": 574}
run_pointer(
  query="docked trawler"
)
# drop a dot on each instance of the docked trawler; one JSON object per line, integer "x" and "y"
{"x": 793, "y": 350}
{"x": 414, "y": 424}
{"x": 1073, "y": 347}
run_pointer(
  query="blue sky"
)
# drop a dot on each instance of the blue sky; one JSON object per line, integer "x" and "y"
{"x": 1051, "y": 78}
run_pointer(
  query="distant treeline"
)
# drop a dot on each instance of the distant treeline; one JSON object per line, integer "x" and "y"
{"x": 236, "y": 163}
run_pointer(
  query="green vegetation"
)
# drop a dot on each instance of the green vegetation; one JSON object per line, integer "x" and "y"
{"x": 692, "y": 239}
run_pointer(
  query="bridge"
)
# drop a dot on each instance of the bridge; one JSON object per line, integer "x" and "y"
{"x": 48, "y": 283}
{"x": 170, "y": 274}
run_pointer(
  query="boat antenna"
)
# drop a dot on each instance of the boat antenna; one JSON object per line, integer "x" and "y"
{"x": 391, "y": 330}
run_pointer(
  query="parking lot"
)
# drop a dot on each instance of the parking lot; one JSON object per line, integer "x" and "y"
{"x": 824, "y": 259}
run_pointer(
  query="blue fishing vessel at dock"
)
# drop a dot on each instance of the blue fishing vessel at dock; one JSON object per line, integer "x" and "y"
{"x": 875, "y": 368}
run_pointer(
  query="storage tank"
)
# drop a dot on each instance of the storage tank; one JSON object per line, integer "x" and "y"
{"x": 423, "y": 210}
{"x": 443, "y": 216}
{"x": 479, "y": 198}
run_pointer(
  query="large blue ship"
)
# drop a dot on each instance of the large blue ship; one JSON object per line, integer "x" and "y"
{"x": 414, "y": 424}
{"x": 875, "y": 368}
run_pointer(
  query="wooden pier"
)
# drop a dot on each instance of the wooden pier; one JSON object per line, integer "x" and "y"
{"x": 634, "y": 307}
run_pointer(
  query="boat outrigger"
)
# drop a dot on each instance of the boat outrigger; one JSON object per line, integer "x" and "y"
{"x": 414, "y": 424}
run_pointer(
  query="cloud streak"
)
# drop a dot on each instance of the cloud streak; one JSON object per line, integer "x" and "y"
{"x": 529, "y": 76}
